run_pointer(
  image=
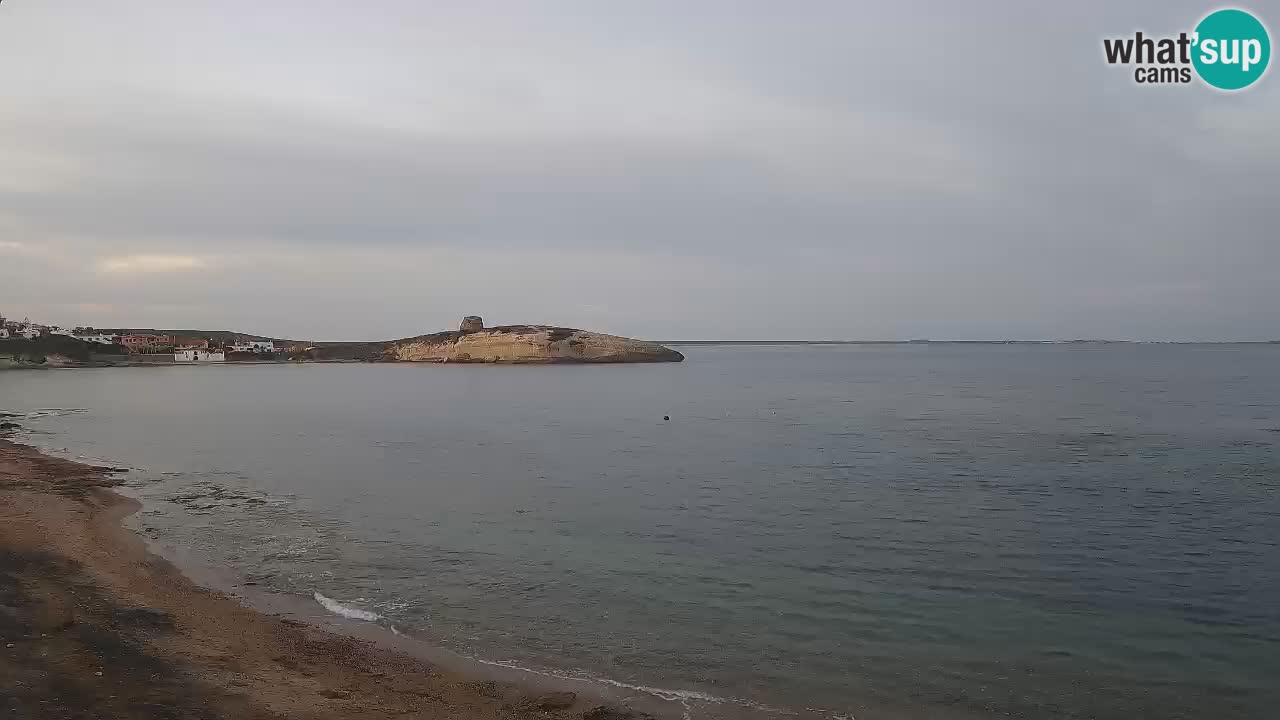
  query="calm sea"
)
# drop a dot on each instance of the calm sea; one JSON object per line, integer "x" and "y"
{"x": 871, "y": 531}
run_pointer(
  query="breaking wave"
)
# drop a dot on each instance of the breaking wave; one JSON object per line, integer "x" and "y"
{"x": 686, "y": 698}
{"x": 338, "y": 608}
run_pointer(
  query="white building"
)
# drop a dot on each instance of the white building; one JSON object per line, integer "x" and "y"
{"x": 254, "y": 346}
{"x": 100, "y": 338}
{"x": 29, "y": 332}
{"x": 199, "y": 355}
{"x": 4, "y": 332}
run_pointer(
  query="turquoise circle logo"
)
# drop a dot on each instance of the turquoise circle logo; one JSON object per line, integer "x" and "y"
{"x": 1232, "y": 49}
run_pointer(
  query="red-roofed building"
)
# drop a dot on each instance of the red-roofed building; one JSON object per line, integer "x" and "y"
{"x": 147, "y": 344}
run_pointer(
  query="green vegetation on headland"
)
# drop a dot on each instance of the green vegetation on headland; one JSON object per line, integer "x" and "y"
{"x": 56, "y": 350}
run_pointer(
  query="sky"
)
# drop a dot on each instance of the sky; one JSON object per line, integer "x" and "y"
{"x": 329, "y": 170}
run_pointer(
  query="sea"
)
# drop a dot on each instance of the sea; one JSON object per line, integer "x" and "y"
{"x": 944, "y": 531}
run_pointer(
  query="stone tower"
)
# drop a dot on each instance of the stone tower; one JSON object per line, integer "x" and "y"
{"x": 471, "y": 323}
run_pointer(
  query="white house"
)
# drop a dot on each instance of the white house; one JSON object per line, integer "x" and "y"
{"x": 199, "y": 355}
{"x": 254, "y": 346}
{"x": 29, "y": 332}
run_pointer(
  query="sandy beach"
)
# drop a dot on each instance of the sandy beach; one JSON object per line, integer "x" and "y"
{"x": 92, "y": 625}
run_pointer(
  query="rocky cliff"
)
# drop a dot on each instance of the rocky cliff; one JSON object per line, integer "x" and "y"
{"x": 474, "y": 343}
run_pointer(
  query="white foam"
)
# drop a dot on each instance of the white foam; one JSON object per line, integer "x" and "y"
{"x": 91, "y": 460}
{"x": 685, "y": 697}
{"x": 338, "y": 608}
{"x": 53, "y": 412}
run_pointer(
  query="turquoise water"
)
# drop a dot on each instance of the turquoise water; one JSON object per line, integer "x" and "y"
{"x": 869, "y": 531}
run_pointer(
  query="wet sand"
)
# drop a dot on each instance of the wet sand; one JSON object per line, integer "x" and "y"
{"x": 92, "y": 625}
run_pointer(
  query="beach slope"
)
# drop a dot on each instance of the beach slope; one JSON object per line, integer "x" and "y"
{"x": 92, "y": 625}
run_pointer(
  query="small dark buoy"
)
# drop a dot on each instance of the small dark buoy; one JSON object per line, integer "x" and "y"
{"x": 666, "y": 417}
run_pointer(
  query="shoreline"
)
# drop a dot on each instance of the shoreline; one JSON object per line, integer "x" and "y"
{"x": 93, "y": 620}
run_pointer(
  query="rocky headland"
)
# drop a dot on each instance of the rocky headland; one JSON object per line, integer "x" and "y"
{"x": 472, "y": 342}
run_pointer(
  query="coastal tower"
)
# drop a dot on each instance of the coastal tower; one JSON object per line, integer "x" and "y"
{"x": 471, "y": 323}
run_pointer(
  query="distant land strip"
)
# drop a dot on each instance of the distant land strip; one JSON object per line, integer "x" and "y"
{"x": 969, "y": 342}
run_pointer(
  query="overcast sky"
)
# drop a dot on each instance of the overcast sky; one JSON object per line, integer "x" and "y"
{"x": 365, "y": 170}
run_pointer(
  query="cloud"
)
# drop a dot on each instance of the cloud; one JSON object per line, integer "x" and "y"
{"x": 19, "y": 251}
{"x": 134, "y": 264}
{"x": 649, "y": 169}
{"x": 94, "y": 308}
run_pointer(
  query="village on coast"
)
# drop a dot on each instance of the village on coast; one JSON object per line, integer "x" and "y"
{"x": 139, "y": 346}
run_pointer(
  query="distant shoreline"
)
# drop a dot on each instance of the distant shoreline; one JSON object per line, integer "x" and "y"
{"x": 969, "y": 342}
